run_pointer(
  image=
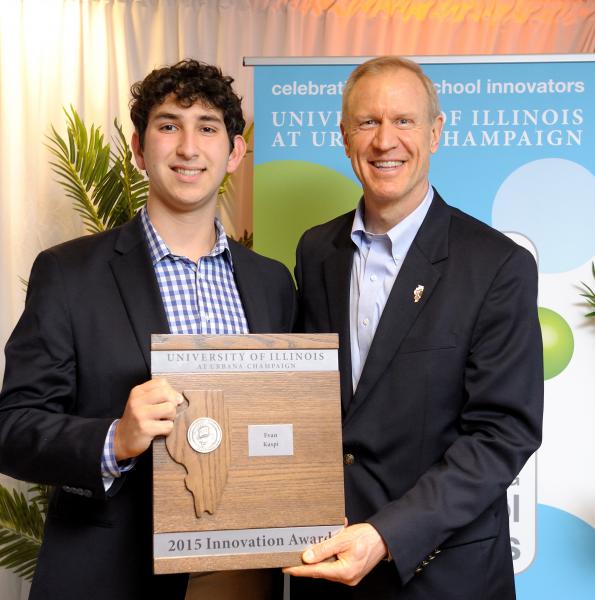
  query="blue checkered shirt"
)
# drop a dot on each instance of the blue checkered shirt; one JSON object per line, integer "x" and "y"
{"x": 199, "y": 298}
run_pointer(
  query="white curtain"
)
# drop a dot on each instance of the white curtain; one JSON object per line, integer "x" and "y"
{"x": 86, "y": 53}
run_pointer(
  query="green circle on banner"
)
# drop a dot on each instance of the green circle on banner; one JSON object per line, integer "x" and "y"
{"x": 291, "y": 196}
{"x": 558, "y": 342}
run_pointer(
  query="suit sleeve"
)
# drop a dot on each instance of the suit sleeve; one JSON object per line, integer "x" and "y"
{"x": 43, "y": 438}
{"x": 499, "y": 427}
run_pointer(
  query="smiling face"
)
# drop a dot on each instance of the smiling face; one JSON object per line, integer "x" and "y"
{"x": 186, "y": 156}
{"x": 389, "y": 136}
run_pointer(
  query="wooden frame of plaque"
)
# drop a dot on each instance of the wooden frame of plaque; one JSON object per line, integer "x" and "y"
{"x": 252, "y": 473}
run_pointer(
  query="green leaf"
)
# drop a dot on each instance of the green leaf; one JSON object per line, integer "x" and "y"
{"x": 21, "y": 529}
{"x": 588, "y": 293}
{"x": 80, "y": 164}
{"x": 247, "y": 239}
{"x": 124, "y": 189}
{"x": 249, "y": 132}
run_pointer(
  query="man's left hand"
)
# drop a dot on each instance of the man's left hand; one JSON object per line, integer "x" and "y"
{"x": 358, "y": 549}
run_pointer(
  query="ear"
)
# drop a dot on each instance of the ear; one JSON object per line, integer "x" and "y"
{"x": 237, "y": 153}
{"x": 137, "y": 150}
{"x": 435, "y": 132}
{"x": 345, "y": 140}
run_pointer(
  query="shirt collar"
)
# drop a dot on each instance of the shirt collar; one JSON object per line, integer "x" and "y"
{"x": 158, "y": 248}
{"x": 400, "y": 236}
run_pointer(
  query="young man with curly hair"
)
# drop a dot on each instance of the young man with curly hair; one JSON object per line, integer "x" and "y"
{"x": 78, "y": 409}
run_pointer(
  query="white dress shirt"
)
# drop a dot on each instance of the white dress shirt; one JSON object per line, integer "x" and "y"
{"x": 377, "y": 261}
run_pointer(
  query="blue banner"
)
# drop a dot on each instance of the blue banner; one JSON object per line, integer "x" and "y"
{"x": 518, "y": 152}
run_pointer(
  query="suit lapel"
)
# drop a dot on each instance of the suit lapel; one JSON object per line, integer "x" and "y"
{"x": 337, "y": 277}
{"x": 138, "y": 287}
{"x": 251, "y": 289}
{"x": 429, "y": 247}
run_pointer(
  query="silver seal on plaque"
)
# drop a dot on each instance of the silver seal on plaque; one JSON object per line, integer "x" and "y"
{"x": 204, "y": 435}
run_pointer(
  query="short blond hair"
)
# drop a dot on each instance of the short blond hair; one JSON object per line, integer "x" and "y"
{"x": 382, "y": 64}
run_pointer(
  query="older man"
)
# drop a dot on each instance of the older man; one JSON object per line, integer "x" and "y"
{"x": 442, "y": 384}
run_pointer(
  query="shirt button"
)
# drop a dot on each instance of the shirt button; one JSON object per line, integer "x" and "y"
{"x": 366, "y": 322}
{"x": 373, "y": 277}
{"x": 348, "y": 459}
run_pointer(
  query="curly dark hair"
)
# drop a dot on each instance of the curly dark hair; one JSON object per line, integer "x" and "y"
{"x": 189, "y": 80}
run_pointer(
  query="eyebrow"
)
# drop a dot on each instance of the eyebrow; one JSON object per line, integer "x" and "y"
{"x": 398, "y": 115}
{"x": 206, "y": 118}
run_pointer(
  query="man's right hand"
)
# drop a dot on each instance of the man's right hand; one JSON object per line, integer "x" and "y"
{"x": 150, "y": 411}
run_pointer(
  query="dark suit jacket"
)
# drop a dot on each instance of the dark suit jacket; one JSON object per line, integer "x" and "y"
{"x": 448, "y": 407}
{"x": 80, "y": 346}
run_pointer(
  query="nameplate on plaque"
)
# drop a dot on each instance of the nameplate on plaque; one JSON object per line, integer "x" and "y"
{"x": 270, "y": 440}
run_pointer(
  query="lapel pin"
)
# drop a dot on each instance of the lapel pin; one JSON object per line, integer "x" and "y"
{"x": 418, "y": 293}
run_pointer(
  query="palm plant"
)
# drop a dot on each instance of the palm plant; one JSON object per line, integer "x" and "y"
{"x": 107, "y": 190}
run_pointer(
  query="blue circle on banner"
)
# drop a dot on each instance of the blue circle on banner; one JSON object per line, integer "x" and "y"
{"x": 564, "y": 565}
{"x": 552, "y": 202}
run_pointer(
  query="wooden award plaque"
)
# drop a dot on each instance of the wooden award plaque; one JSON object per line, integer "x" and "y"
{"x": 252, "y": 473}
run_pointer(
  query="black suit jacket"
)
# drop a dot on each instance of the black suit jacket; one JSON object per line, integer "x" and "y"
{"x": 80, "y": 346}
{"x": 448, "y": 407}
